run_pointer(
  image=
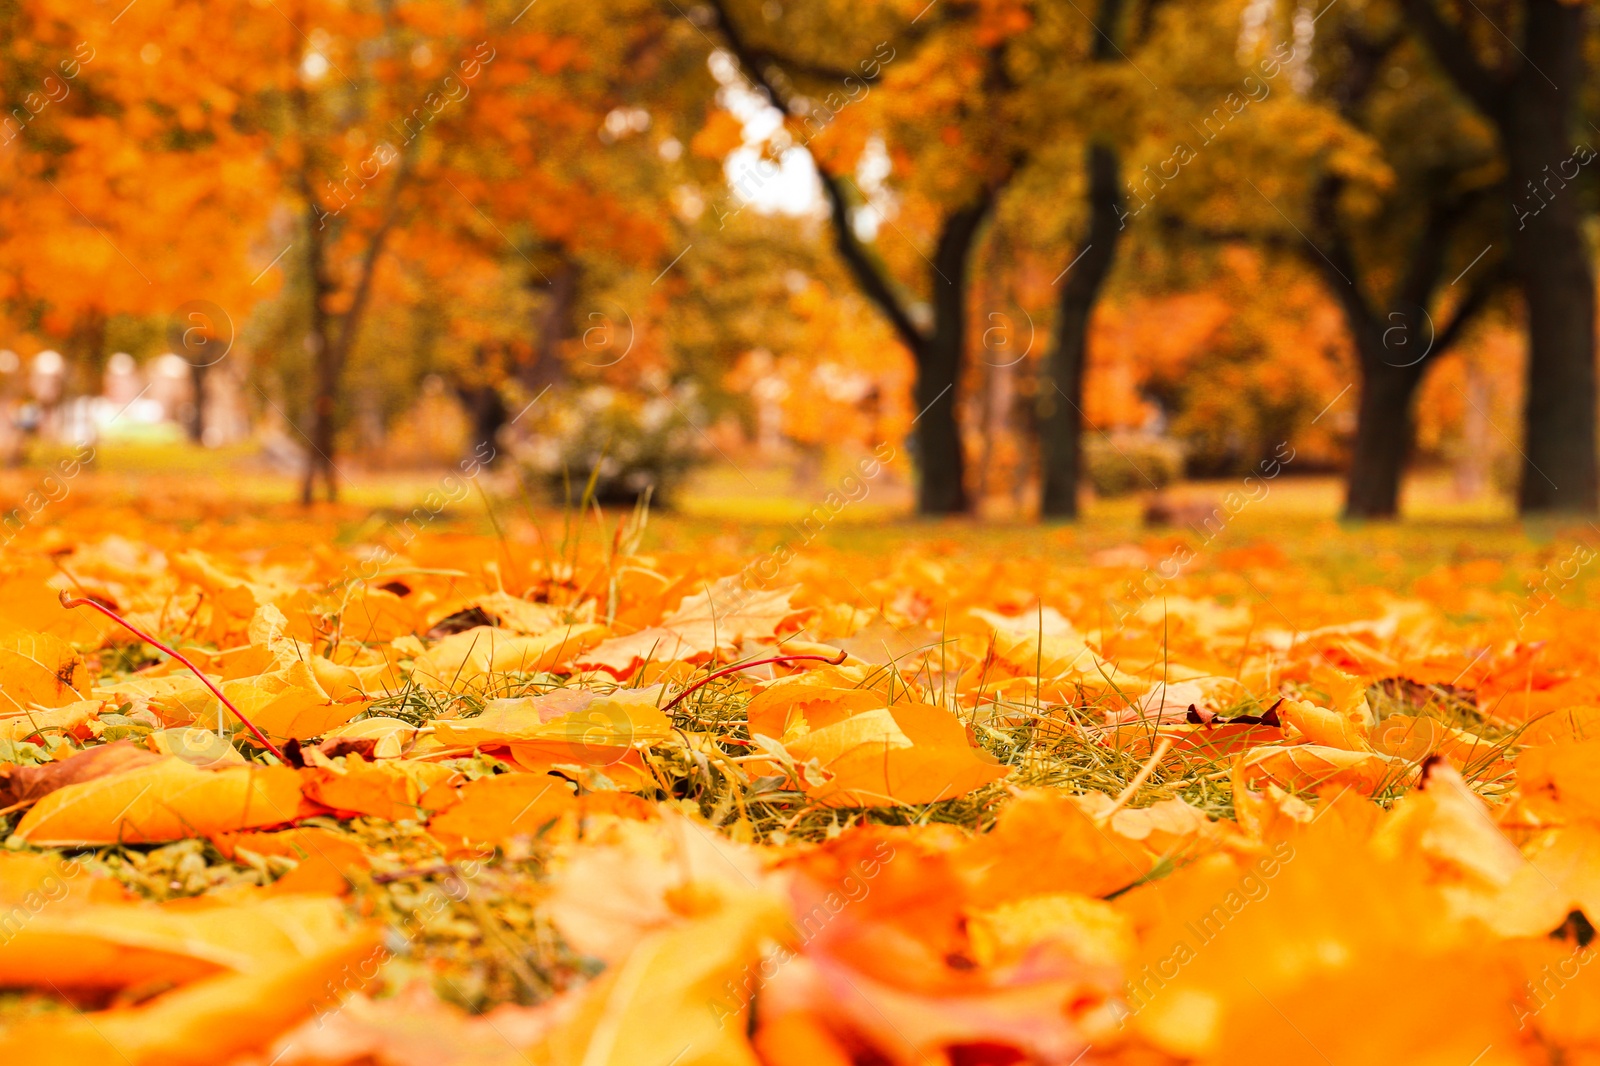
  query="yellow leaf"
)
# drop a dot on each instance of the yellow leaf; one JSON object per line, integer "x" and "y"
{"x": 669, "y": 1000}
{"x": 456, "y": 662}
{"x": 1082, "y": 929}
{"x": 65, "y": 719}
{"x": 291, "y": 704}
{"x": 909, "y": 753}
{"x": 1326, "y": 727}
{"x": 37, "y": 668}
{"x": 1308, "y": 767}
{"x": 126, "y": 945}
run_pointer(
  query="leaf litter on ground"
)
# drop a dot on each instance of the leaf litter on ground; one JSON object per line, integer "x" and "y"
{"x": 936, "y": 802}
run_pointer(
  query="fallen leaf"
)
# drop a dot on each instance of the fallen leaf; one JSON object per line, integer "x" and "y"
{"x": 28, "y": 784}
{"x": 39, "y": 669}
{"x": 164, "y": 800}
{"x": 906, "y": 754}
{"x": 205, "y": 1022}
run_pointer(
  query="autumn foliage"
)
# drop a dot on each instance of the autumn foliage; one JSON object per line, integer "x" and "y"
{"x": 979, "y": 809}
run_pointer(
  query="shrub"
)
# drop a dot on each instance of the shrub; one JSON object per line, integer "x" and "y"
{"x": 634, "y": 442}
{"x": 1110, "y": 463}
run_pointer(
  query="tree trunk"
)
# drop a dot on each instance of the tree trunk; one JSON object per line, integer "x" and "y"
{"x": 197, "y": 414}
{"x": 1532, "y": 105}
{"x": 323, "y": 415}
{"x": 325, "y": 374}
{"x": 487, "y": 413}
{"x": 1551, "y": 260}
{"x": 942, "y": 489}
{"x": 553, "y": 327}
{"x": 1061, "y": 391}
{"x": 331, "y": 352}
{"x": 1383, "y": 438}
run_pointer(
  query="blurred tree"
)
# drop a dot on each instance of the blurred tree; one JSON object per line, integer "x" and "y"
{"x": 344, "y": 136}
{"x": 125, "y": 189}
{"x": 1386, "y": 255}
{"x": 554, "y": 177}
{"x": 941, "y": 112}
{"x": 349, "y": 98}
{"x": 1084, "y": 274}
{"x": 1520, "y": 63}
{"x": 1241, "y": 146}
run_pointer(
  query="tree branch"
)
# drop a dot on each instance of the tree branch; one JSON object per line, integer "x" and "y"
{"x": 869, "y": 276}
{"x": 1337, "y": 263}
{"x": 873, "y": 281}
{"x": 1453, "y": 52}
{"x": 1476, "y": 299}
{"x": 1427, "y": 255}
{"x": 369, "y": 265}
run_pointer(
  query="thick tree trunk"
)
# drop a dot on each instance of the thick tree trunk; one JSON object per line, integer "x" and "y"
{"x": 1383, "y": 438}
{"x": 942, "y": 489}
{"x": 1532, "y": 105}
{"x": 1551, "y": 260}
{"x": 1061, "y": 393}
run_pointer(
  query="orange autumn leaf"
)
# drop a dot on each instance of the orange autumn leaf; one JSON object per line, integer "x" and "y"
{"x": 28, "y": 784}
{"x": 721, "y": 134}
{"x": 908, "y": 753}
{"x": 291, "y": 704}
{"x": 585, "y": 729}
{"x": 498, "y": 609}
{"x": 1478, "y": 870}
{"x": 715, "y": 621}
{"x": 1309, "y": 767}
{"x": 798, "y": 1038}
{"x": 1044, "y": 842}
{"x": 165, "y": 800}
{"x": 660, "y": 994}
{"x": 494, "y": 809}
{"x": 205, "y": 1021}
{"x": 1250, "y": 963}
{"x": 463, "y": 660}
{"x": 1327, "y": 728}
{"x": 1569, "y": 724}
{"x": 1562, "y": 781}
{"x": 385, "y": 789}
{"x": 778, "y": 708}
{"x": 125, "y": 945}
{"x": 71, "y": 719}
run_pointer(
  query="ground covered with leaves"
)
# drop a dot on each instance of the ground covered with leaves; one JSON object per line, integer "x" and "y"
{"x": 474, "y": 790}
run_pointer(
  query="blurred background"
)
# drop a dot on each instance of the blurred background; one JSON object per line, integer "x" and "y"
{"x": 1012, "y": 258}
